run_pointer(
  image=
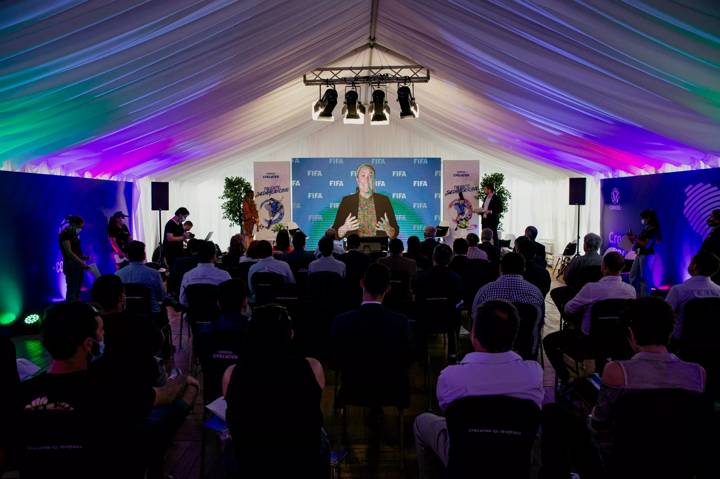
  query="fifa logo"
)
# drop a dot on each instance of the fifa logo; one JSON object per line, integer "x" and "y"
{"x": 419, "y": 205}
{"x": 315, "y": 196}
{"x": 377, "y": 161}
{"x": 437, "y": 196}
{"x": 315, "y": 218}
{"x": 418, "y": 183}
{"x": 379, "y": 183}
{"x": 314, "y": 173}
{"x": 398, "y": 173}
{"x": 334, "y": 205}
{"x": 420, "y": 161}
{"x": 295, "y": 182}
{"x": 336, "y": 183}
{"x": 615, "y": 196}
{"x": 335, "y": 161}
{"x": 398, "y": 196}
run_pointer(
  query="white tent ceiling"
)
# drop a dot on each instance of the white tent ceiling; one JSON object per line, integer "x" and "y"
{"x": 182, "y": 88}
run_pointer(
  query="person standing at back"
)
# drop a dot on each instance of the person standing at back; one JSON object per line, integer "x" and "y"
{"x": 74, "y": 265}
{"x": 174, "y": 235}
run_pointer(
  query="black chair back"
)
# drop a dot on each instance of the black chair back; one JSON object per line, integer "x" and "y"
{"x": 478, "y": 273}
{"x": 608, "y": 332}
{"x": 436, "y": 315}
{"x": 528, "y": 338}
{"x": 588, "y": 274}
{"x": 217, "y": 352}
{"x": 266, "y": 286}
{"x": 243, "y": 269}
{"x": 700, "y": 339}
{"x": 398, "y": 298}
{"x": 491, "y": 436}
{"x": 570, "y": 249}
{"x": 660, "y": 433}
{"x": 202, "y": 303}
{"x": 138, "y": 299}
{"x": 330, "y": 288}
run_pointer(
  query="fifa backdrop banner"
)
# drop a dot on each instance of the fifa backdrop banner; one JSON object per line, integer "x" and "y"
{"x": 461, "y": 182}
{"x": 683, "y": 201}
{"x": 272, "y": 193}
{"x": 412, "y": 186}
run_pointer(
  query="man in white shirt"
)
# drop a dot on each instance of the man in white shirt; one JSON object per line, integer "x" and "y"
{"x": 474, "y": 252}
{"x": 493, "y": 369}
{"x": 268, "y": 264}
{"x": 610, "y": 286}
{"x": 205, "y": 272}
{"x": 701, "y": 268}
{"x": 326, "y": 262}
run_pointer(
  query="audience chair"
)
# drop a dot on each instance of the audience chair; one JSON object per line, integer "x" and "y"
{"x": 478, "y": 273}
{"x": 491, "y": 436}
{"x": 608, "y": 332}
{"x": 529, "y": 335}
{"x": 266, "y": 286}
{"x": 138, "y": 299}
{"x": 202, "y": 309}
{"x": 564, "y": 260}
{"x": 399, "y": 297}
{"x": 330, "y": 288}
{"x": 700, "y": 340}
{"x": 661, "y": 433}
{"x": 243, "y": 269}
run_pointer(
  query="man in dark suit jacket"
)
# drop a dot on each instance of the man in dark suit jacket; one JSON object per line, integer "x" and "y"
{"x": 298, "y": 258}
{"x": 540, "y": 259}
{"x": 355, "y": 260}
{"x": 492, "y": 251}
{"x": 460, "y": 262}
{"x": 491, "y": 210}
{"x": 427, "y": 247}
{"x": 372, "y": 345}
{"x": 366, "y": 212}
{"x": 395, "y": 261}
{"x": 534, "y": 273}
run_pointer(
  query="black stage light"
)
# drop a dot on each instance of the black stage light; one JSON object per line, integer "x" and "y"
{"x": 323, "y": 108}
{"x": 379, "y": 110}
{"x": 354, "y": 111}
{"x": 408, "y": 106}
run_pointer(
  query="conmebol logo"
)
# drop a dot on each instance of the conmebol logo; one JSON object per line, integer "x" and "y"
{"x": 700, "y": 201}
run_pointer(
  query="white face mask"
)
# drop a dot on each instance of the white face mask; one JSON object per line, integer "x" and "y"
{"x": 78, "y": 230}
{"x": 643, "y": 221}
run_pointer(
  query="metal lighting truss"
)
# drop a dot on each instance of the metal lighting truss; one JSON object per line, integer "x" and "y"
{"x": 401, "y": 74}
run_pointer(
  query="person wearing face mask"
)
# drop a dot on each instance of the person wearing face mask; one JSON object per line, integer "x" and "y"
{"x": 174, "y": 235}
{"x": 712, "y": 242}
{"x": 366, "y": 212}
{"x": 645, "y": 245}
{"x": 74, "y": 261}
{"x": 119, "y": 237}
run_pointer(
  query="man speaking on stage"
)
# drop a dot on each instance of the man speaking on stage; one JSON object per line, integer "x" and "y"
{"x": 366, "y": 213}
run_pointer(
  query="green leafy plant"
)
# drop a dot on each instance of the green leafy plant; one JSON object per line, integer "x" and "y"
{"x": 496, "y": 181}
{"x": 277, "y": 227}
{"x": 236, "y": 188}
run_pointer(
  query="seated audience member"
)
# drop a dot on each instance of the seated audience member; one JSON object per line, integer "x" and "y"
{"x": 382, "y": 367}
{"x": 414, "y": 252}
{"x": 592, "y": 257}
{"x": 652, "y": 367}
{"x": 511, "y": 286}
{"x": 234, "y": 309}
{"x": 138, "y": 273}
{"x": 460, "y": 261}
{"x": 251, "y": 254}
{"x": 10, "y": 406}
{"x": 282, "y": 244}
{"x": 205, "y": 272}
{"x": 132, "y": 341}
{"x": 429, "y": 243}
{"x": 326, "y": 261}
{"x": 702, "y": 267}
{"x": 338, "y": 247}
{"x": 395, "y": 261}
{"x": 72, "y": 334}
{"x": 492, "y": 369}
{"x": 439, "y": 281}
{"x": 299, "y": 258}
{"x": 356, "y": 262}
{"x": 492, "y": 251}
{"x": 268, "y": 264}
{"x": 264, "y": 424}
{"x": 539, "y": 257}
{"x": 236, "y": 251}
{"x": 535, "y": 274}
{"x": 610, "y": 286}
{"x": 474, "y": 252}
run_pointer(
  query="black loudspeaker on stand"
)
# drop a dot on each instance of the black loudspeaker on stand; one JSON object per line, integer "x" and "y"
{"x": 160, "y": 193}
{"x": 577, "y": 197}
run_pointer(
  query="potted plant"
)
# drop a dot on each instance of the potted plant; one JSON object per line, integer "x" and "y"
{"x": 496, "y": 181}
{"x": 234, "y": 192}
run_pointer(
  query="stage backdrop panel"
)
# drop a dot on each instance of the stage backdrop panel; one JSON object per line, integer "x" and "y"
{"x": 33, "y": 207}
{"x": 272, "y": 192}
{"x": 461, "y": 181}
{"x": 683, "y": 201}
{"x": 412, "y": 184}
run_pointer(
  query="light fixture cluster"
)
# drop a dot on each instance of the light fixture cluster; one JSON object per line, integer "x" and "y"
{"x": 354, "y": 111}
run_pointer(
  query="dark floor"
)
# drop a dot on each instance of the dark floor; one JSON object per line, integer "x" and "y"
{"x": 374, "y": 452}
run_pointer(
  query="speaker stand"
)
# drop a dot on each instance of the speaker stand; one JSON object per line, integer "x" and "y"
{"x": 160, "y": 232}
{"x": 577, "y": 238}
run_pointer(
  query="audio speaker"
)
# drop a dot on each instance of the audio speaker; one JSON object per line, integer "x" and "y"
{"x": 160, "y": 195}
{"x": 577, "y": 191}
